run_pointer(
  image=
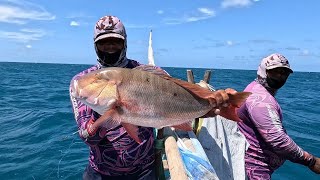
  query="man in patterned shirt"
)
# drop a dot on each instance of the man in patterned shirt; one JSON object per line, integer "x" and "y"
{"x": 113, "y": 153}
{"x": 262, "y": 126}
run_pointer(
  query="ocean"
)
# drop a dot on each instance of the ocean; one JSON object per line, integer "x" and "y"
{"x": 37, "y": 125}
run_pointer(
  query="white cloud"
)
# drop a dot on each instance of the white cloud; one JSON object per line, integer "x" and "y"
{"x": 308, "y": 53}
{"x": 199, "y": 14}
{"x": 305, "y": 52}
{"x": 20, "y": 12}
{"x": 28, "y": 46}
{"x": 229, "y": 43}
{"x": 160, "y": 12}
{"x": 74, "y": 23}
{"x": 207, "y": 11}
{"x": 24, "y": 35}
{"x": 235, "y": 3}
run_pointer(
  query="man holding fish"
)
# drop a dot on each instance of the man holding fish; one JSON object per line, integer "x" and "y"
{"x": 117, "y": 103}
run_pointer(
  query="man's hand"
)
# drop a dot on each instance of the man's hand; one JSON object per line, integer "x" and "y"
{"x": 230, "y": 91}
{"x": 220, "y": 97}
{"x": 89, "y": 130}
{"x": 316, "y": 167}
{"x": 221, "y": 100}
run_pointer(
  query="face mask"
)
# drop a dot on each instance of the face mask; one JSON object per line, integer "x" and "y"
{"x": 275, "y": 83}
{"x": 108, "y": 58}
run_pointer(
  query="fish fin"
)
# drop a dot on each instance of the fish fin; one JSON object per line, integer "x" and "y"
{"x": 235, "y": 99}
{"x": 153, "y": 69}
{"x": 110, "y": 118}
{"x": 238, "y": 98}
{"x": 185, "y": 126}
{"x": 113, "y": 121}
{"x": 230, "y": 113}
{"x": 194, "y": 89}
{"x": 133, "y": 131}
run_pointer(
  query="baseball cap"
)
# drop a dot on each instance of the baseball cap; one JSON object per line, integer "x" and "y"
{"x": 107, "y": 27}
{"x": 276, "y": 60}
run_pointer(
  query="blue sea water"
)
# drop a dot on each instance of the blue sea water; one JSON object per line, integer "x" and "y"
{"x": 37, "y": 123}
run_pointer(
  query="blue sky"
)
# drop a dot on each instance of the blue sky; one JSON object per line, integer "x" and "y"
{"x": 231, "y": 34}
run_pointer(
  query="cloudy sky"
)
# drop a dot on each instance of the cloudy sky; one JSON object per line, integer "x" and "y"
{"x": 232, "y": 34}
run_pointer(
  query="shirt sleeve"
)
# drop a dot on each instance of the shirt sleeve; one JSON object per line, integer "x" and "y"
{"x": 266, "y": 119}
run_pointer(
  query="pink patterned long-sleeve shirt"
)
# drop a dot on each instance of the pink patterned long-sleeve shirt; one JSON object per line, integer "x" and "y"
{"x": 112, "y": 151}
{"x": 262, "y": 126}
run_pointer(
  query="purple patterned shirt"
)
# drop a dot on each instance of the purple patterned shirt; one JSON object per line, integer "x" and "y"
{"x": 112, "y": 151}
{"x": 262, "y": 126}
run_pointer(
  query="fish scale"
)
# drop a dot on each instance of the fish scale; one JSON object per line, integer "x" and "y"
{"x": 160, "y": 102}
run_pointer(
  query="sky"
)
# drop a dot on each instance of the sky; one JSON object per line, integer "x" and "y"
{"x": 220, "y": 34}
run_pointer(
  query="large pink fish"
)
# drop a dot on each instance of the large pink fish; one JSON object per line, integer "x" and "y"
{"x": 135, "y": 97}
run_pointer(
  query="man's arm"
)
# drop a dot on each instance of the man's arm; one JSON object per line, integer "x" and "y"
{"x": 267, "y": 121}
{"x": 84, "y": 117}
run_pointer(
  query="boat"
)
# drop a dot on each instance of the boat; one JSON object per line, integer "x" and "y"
{"x": 181, "y": 155}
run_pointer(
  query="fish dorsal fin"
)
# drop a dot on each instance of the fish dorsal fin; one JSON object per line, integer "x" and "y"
{"x": 153, "y": 69}
{"x": 194, "y": 89}
{"x": 235, "y": 99}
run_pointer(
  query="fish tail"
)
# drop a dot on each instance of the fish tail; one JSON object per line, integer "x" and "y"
{"x": 230, "y": 113}
{"x": 235, "y": 100}
{"x": 133, "y": 131}
{"x": 238, "y": 98}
